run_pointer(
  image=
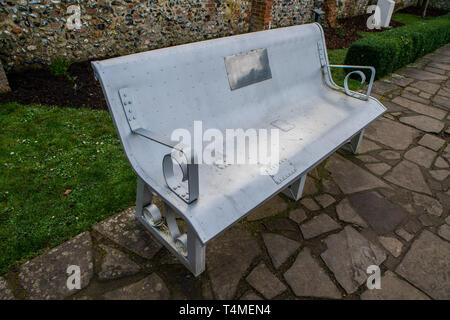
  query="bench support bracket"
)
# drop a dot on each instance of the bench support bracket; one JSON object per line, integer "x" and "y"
{"x": 187, "y": 247}
{"x": 295, "y": 190}
{"x": 354, "y": 143}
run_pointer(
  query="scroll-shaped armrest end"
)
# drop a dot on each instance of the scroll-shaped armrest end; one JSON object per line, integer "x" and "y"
{"x": 183, "y": 156}
{"x": 363, "y": 79}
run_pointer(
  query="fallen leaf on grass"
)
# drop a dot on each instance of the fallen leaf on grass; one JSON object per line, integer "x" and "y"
{"x": 67, "y": 192}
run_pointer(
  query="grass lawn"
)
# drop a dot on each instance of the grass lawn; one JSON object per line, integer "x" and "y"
{"x": 337, "y": 56}
{"x": 44, "y": 153}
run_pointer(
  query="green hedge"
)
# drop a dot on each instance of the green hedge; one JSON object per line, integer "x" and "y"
{"x": 390, "y": 50}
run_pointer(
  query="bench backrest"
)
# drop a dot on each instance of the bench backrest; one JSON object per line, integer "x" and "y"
{"x": 174, "y": 86}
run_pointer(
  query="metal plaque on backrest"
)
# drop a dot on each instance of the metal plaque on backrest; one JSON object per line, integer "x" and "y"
{"x": 248, "y": 68}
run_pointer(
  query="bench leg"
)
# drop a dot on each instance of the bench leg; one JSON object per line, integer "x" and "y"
{"x": 186, "y": 247}
{"x": 295, "y": 190}
{"x": 195, "y": 252}
{"x": 355, "y": 142}
{"x": 143, "y": 197}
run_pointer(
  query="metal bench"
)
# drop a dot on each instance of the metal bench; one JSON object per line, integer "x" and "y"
{"x": 271, "y": 79}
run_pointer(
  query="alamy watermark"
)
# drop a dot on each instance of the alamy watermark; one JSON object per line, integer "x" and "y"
{"x": 231, "y": 146}
{"x": 74, "y": 21}
{"x": 373, "y": 22}
{"x": 381, "y": 14}
{"x": 374, "y": 278}
{"x": 74, "y": 279}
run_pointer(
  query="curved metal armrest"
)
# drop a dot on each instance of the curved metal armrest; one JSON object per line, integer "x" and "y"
{"x": 363, "y": 79}
{"x": 183, "y": 156}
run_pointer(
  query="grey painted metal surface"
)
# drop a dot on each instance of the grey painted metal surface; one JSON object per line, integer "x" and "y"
{"x": 248, "y": 68}
{"x": 171, "y": 88}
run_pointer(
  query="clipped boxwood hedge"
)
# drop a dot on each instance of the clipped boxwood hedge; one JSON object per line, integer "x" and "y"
{"x": 390, "y": 50}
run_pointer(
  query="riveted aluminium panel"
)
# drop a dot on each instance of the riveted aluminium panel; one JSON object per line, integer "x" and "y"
{"x": 176, "y": 86}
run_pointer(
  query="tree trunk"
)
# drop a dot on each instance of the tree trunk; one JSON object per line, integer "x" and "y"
{"x": 425, "y": 4}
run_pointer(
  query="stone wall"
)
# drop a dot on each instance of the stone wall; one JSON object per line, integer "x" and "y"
{"x": 440, "y": 4}
{"x": 291, "y": 12}
{"x": 34, "y": 31}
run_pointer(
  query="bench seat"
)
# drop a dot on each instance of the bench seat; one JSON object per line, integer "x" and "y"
{"x": 226, "y": 195}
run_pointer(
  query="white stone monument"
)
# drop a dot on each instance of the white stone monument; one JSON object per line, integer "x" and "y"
{"x": 386, "y": 8}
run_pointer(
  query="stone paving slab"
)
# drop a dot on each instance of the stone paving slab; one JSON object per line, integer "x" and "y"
{"x": 116, "y": 265}
{"x": 382, "y": 215}
{"x": 227, "y": 259}
{"x": 420, "y": 108}
{"x": 444, "y": 232}
{"x": 310, "y": 187}
{"x": 310, "y": 204}
{"x": 393, "y": 288}
{"x": 427, "y": 265}
{"x": 439, "y": 175}
{"x": 330, "y": 187}
{"x": 325, "y": 200}
{"x": 412, "y": 96}
{"x": 265, "y": 282}
{"x": 405, "y": 235}
{"x": 45, "y": 277}
{"x": 423, "y": 123}
{"x": 5, "y": 291}
{"x": 441, "y": 163}
{"x": 378, "y": 168}
{"x": 367, "y": 146}
{"x": 281, "y": 224}
{"x": 347, "y": 213}
{"x": 149, "y": 288}
{"x": 422, "y": 75}
{"x": 401, "y": 80}
{"x": 432, "y": 142}
{"x": 421, "y": 156}
{"x": 428, "y": 87}
{"x": 270, "y": 208}
{"x": 279, "y": 248}
{"x": 444, "y": 92}
{"x": 348, "y": 256}
{"x": 308, "y": 279}
{"x": 350, "y": 177}
{"x": 428, "y": 204}
{"x": 442, "y": 101}
{"x": 408, "y": 175}
{"x": 298, "y": 215}
{"x": 390, "y": 155}
{"x": 127, "y": 232}
{"x": 384, "y": 87}
{"x": 381, "y": 131}
{"x": 318, "y": 225}
{"x": 249, "y": 295}
{"x": 391, "y": 244}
